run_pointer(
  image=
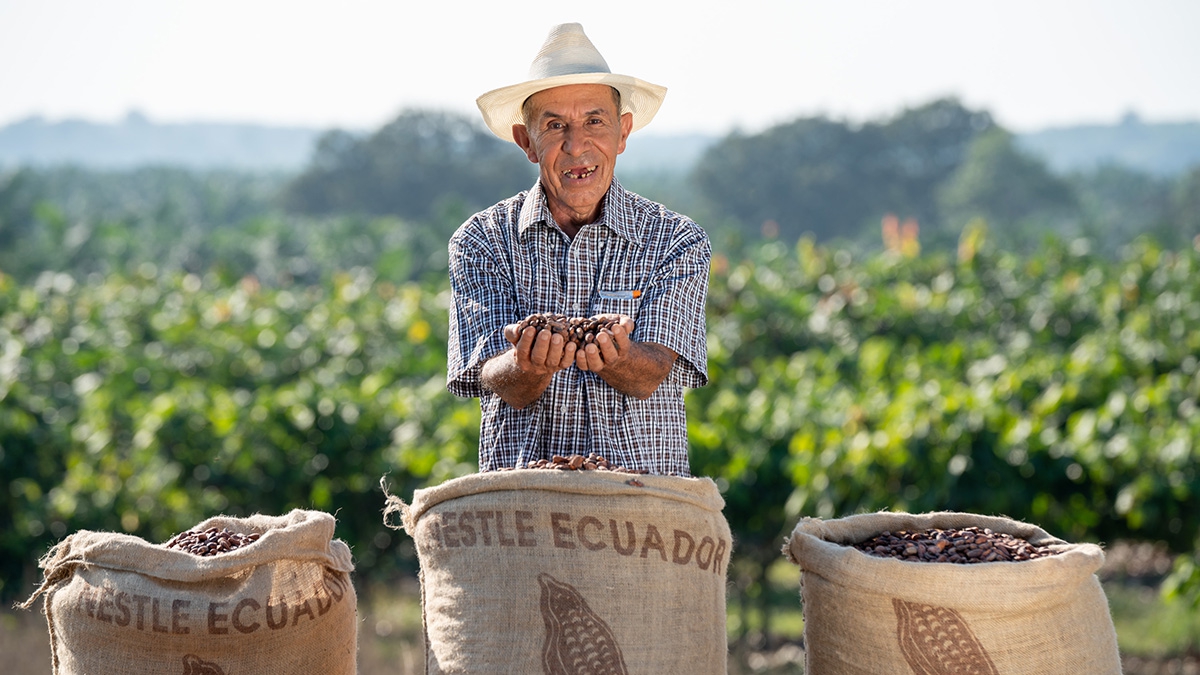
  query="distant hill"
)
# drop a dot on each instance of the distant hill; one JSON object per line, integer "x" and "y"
{"x": 1156, "y": 148}
{"x": 651, "y": 153}
{"x": 136, "y": 141}
{"x": 1162, "y": 149}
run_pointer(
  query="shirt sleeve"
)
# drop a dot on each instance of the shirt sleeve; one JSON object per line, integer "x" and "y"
{"x": 483, "y": 302}
{"x": 672, "y": 312}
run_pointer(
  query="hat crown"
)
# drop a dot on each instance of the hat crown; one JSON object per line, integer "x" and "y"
{"x": 567, "y": 51}
{"x": 567, "y": 57}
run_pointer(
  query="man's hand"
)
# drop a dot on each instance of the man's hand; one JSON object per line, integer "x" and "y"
{"x": 521, "y": 374}
{"x": 606, "y": 350}
{"x": 632, "y": 368}
{"x": 540, "y": 351}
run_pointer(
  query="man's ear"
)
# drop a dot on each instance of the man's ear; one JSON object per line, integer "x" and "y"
{"x": 626, "y": 129}
{"x": 521, "y": 136}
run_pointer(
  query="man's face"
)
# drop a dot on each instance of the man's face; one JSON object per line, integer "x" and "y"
{"x": 574, "y": 134}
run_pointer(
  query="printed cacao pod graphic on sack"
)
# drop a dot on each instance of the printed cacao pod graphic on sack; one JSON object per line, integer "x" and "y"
{"x": 578, "y": 642}
{"x": 937, "y": 641}
{"x": 194, "y": 665}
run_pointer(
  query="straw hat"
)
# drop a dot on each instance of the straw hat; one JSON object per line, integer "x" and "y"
{"x": 568, "y": 57}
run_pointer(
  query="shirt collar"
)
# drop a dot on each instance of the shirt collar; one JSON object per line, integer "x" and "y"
{"x": 617, "y": 215}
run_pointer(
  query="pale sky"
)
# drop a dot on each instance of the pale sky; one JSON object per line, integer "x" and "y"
{"x": 743, "y": 64}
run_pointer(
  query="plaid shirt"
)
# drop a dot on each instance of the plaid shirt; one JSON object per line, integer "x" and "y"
{"x": 639, "y": 259}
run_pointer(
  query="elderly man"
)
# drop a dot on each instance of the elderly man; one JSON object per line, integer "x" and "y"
{"x": 578, "y": 244}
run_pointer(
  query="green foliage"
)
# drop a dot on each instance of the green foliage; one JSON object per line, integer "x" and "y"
{"x": 940, "y": 165}
{"x": 1048, "y": 388}
{"x": 145, "y": 404}
{"x": 1184, "y": 583}
{"x": 68, "y": 219}
{"x": 1185, "y": 209}
{"x": 1117, "y": 204}
{"x": 831, "y": 179}
{"x": 1149, "y": 625}
{"x": 999, "y": 183}
{"x": 422, "y": 166}
{"x": 182, "y": 222}
{"x": 281, "y": 250}
{"x": 1121, "y": 203}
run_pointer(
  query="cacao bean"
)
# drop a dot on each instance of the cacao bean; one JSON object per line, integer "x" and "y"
{"x": 580, "y": 330}
{"x": 593, "y": 462}
{"x": 212, "y": 541}
{"x": 966, "y": 545}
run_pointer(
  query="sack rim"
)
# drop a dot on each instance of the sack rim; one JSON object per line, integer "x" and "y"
{"x": 697, "y": 491}
{"x": 821, "y": 547}
{"x": 301, "y": 535}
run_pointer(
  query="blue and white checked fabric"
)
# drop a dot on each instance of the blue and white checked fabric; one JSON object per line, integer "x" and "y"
{"x": 639, "y": 259}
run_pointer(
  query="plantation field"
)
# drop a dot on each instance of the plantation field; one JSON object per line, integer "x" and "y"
{"x": 1060, "y": 388}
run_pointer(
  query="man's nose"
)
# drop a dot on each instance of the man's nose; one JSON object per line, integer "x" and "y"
{"x": 574, "y": 140}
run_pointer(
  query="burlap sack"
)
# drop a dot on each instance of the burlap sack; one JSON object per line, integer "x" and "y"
{"x": 867, "y": 614}
{"x": 570, "y": 572}
{"x": 118, "y": 605}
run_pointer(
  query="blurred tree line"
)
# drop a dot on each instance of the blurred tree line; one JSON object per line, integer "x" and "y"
{"x": 388, "y": 200}
{"x": 391, "y": 198}
{"x": 940, "y": 165}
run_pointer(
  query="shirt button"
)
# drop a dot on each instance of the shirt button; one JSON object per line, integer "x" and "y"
{"x": 575, "y": 307}
{"x": 563, "y": 409}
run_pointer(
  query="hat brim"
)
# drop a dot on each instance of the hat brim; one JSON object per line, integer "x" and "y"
{"x": 501, "y": 108}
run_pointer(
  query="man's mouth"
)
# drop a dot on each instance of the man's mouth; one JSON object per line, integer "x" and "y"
{"x": 580, "y": 173}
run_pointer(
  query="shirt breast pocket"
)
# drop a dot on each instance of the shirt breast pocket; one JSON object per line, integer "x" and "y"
{"x": 617, "y": 302}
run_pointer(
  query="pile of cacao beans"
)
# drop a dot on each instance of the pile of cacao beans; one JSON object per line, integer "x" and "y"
{"x": 212, "y": 541}
{"x": 592, "y": 462}
{"x": 580, "y": 330}
{"x": 953, "y": 545}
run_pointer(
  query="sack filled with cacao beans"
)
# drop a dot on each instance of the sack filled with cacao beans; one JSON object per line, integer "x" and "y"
{"x": 263, "y": 594}
{"x": 563, "y": 571}
{"x": 947, "y": 593}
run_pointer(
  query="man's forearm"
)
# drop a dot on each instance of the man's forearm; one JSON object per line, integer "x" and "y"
{"x": 502, "y": 376}
{"x": 639, "y": 375}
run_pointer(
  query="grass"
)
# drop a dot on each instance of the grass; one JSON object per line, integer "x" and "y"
{"x": 24, "y": 642}
{"x": 1147, "y": 626}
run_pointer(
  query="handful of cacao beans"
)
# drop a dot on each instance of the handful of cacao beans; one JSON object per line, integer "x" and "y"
{"x": 580, "y": 330}
{"x": 593, "y": 462}
{"x": 953, "y": 545}
{"x": 212, "y": 541}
